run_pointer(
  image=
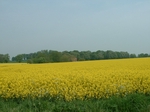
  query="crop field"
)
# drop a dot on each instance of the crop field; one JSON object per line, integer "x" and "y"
{"x": 75, "y": 80}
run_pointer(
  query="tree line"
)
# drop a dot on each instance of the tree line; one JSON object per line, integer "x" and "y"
{"x": 4, "y": 58}
{"x": 50, "y": 56}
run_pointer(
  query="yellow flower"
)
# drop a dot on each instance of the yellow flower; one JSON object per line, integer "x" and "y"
{"x": 75, "y": 80}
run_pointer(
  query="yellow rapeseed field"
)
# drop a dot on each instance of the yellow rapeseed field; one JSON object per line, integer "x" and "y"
{"x": 75, "y": 80}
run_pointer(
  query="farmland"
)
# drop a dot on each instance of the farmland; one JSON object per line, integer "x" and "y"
{"x": 75, "y": 80}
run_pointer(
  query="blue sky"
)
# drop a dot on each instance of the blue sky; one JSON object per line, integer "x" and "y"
{"x": 32, "y": 25}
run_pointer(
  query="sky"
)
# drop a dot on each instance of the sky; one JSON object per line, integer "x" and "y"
{"x": 28, "y": 26}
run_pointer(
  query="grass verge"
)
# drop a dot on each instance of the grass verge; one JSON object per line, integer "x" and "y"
{"x": 130, "y": 103}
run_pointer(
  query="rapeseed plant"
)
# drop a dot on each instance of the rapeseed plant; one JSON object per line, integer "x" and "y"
{"x": 75, "y": 80}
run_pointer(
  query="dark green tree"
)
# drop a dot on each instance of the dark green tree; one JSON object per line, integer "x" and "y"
{"x": 19, "y": 58}
{"x": 143, "y": 55}
{"x": 55, "y": 56}
{"x": 111, "y": 55}
{"x": 100, "y": 54}
{"x": 4, "y": 58}
{"x": 132, "y": 55}
{"x": 65, "y": 57}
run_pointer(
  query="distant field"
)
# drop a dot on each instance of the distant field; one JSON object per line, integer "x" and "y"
{"x": 75, "y": 80}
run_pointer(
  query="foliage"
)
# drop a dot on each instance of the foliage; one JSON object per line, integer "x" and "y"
{"x": 143, "y": 55}
{"x": 132, "y": 56}
{"x": 130, "y": 103}
{"x": 19, "y": 58}
{"x": 46, "y": 56}
{"x": 4, "y": 58}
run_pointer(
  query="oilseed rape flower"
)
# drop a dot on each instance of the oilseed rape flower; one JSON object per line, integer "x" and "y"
{"x": 75, "y": 80}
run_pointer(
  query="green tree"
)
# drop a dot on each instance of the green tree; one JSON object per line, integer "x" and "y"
{"x": 94, "y": 56}
{"x": 101, "y": 54}
{"x": 111, "y": 54}
{"x": 143, "y": 55}
{"x": 29, "y": 61}
{"x": 132, "y": 55}
{"x": 76, "y": 54}
{"x": 4, "y": 58}
{"x": 19, "y": 58}
{"x": 55, "y": 56}
{"x": 65, "y": 58}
